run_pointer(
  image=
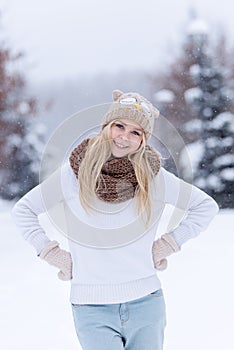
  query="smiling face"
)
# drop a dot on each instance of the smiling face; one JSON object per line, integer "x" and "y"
{"x": 126, "y": 137}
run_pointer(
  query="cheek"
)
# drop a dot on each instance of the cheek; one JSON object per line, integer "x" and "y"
{"x": 136, "y": 144}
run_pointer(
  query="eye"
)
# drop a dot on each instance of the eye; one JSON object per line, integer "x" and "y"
{"x": 118, "y": 125}
{"x": 136, "y": 133}
{"x": 128, "y": 101}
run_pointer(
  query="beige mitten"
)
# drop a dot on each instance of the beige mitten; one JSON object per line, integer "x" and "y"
{"x": 163, "y": 247}
{"x": 58, "y": 258}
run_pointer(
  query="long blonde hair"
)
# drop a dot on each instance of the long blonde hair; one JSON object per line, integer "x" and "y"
{"x": 97, "y": 153}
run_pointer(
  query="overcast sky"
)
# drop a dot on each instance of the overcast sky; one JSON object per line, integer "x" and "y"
{"x": 63, "y": 38}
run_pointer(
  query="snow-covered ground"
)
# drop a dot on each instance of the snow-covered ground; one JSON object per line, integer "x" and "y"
{"x": 35, "y": 313}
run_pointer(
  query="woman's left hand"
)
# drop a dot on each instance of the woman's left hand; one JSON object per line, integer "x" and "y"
{"x": 162, "y": 248}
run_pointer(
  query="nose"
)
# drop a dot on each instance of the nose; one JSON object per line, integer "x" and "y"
{"x": 124, "y": 135}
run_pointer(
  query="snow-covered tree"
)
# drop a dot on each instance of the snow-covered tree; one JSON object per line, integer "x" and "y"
{"x": 21, "y": 136}
{"x": 172, "y": 85}
{"x": 196, "y": 93}
{"x": 211, "y": 102}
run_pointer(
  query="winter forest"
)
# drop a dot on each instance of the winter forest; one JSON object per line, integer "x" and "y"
{"x": 194, "y": 92}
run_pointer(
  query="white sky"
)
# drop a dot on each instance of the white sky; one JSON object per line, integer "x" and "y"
{"x": 63, "y": 38}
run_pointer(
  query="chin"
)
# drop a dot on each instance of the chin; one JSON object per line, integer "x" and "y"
{"x": 119, "y": 155}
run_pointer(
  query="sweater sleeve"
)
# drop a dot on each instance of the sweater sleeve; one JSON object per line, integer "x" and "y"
{"x": 196, "y": 208}
{"x": 37, "y": 201}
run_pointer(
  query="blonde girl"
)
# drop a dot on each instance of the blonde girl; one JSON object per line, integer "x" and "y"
{"x": 114, "y": 190}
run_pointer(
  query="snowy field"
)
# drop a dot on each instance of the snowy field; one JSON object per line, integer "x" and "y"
{"x": 35, "y": 313}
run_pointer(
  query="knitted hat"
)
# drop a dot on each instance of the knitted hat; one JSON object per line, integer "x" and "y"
{"x": 132, "y": 106}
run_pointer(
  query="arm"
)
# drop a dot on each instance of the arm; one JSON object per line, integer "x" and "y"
{"x": 25, "y": 214}
{"x": 37, "y": 201}
{"x": 196, "y": 210}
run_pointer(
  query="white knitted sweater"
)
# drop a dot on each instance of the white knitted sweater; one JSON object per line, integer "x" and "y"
{"x": 118, "y": 268}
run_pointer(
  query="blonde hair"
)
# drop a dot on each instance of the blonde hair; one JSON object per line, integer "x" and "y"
{"x": 97, "y": 153}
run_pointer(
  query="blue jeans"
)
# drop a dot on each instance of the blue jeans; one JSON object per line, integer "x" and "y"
{"x": 134, "y": 325}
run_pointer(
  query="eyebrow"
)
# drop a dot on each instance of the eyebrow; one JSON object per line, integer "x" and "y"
{"x": 135, "y": 128}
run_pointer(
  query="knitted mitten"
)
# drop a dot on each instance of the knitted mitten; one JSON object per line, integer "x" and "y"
{"x": 58, "y": 258}
{"x": 163, "y": 247}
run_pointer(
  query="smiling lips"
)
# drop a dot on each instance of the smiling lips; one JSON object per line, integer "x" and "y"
{"x": 119, "y": 145}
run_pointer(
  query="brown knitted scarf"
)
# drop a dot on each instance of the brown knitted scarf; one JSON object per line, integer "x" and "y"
{"x": 117, "y": 182}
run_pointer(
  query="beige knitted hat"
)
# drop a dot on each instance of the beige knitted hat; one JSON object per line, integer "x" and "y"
{"x": 132, "y": 106}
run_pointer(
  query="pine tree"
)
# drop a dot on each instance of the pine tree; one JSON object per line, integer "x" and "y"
{"x": 174, "y": 86}
{"x": 196, "y": 94}
{"x": 21, "y": 136}
{"x": 214, "y": 171}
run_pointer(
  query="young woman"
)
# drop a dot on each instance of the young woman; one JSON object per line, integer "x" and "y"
{"x": 113, "y": 191}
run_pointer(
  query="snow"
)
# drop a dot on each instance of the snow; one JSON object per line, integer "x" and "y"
{"x": 198, "y": 27}
{"x": 195, "y": 70}
{"x": 23, "y": 108}
{"x": 227, "y": 91}
{"x": 221, "y": 142}
{"x": 13, "y": 140}
{"x": 226, "y": 159}
{"x": 213, "y": 181}
{"x": 201, "y": 183}
{"x": 221, "y": 120}
{"x": 194, "y": 125}
{"x": 192, "y": 94}
{"x": 198, "y": 288}
{"x": 190, "y": 157}
{"x": 227, "y": 174}
{"x": 164, "y": 96}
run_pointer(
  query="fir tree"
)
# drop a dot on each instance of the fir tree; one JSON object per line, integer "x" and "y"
{"x": 21, "y": 136}
{"x": 196, "y": 95}
{"x": 214, "y": 172}
{"x": 175, "y": 85}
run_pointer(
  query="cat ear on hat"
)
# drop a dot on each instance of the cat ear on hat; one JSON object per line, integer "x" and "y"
{"x": 152, "y": 111}
{"x": 116, "y": 94}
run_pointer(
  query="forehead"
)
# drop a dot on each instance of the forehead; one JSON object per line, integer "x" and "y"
{"x": 130, "y": 123}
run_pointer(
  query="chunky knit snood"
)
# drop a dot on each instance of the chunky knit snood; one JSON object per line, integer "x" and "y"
{"x": 117, "y": 182}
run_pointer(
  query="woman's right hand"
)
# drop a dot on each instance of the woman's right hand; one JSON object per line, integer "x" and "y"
{"x": 59, "y": 258}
